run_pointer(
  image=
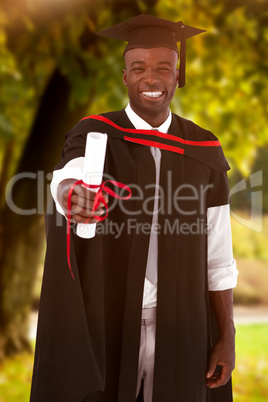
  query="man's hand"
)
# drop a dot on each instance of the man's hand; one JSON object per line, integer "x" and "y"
{"x": 222, "y": 359}
{"x": 82, "y": 202}
{"x": 223, "y": 356}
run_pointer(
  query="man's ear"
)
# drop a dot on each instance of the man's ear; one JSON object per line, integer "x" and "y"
{"x": 125, "y": 76}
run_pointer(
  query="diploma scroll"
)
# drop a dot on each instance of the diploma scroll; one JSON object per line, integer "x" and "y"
{"x": 92, "y": 174}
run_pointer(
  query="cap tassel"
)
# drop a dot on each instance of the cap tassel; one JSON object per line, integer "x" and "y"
{"x": 182, "y": 58}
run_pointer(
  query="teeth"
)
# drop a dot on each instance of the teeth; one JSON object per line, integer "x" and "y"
{"x": 152, "y": 94}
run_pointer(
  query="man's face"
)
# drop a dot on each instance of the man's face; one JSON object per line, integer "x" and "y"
{"x": 151, "y": 78}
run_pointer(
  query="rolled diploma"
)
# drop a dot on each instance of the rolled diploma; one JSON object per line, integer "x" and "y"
{"x": 92, "y": 174}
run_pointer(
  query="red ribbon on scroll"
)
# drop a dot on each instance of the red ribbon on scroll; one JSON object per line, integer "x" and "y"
{"x": 98, "y": 199}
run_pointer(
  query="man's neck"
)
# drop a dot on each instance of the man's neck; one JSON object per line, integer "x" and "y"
{"x": 155, "y": 120}
{"x": 140, "y": 123}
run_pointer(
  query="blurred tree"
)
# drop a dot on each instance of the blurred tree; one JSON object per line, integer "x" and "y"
{"x": 54, "y": 70}
{"x": 228, "y": 74}
{"x": 56, "y": 60}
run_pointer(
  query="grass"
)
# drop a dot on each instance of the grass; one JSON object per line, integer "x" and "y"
{"x": 15, "y": 378}
{"x": 250, "y": 378}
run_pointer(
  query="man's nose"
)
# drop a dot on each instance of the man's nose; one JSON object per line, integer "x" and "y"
{"x": 150, "y": 77}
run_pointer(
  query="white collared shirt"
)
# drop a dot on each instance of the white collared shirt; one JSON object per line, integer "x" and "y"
{"x": 222, "y": 272}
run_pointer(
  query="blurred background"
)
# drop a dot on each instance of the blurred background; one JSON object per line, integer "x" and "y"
{"x": 53, "y": 72}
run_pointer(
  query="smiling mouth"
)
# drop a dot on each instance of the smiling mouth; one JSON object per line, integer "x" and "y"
{"x": 155, "y": 94}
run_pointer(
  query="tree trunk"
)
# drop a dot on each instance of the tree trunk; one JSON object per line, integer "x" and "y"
{"x": 21, "y": 219}
{"x": 8, "y": 154}
{"x": 22, "y": 222}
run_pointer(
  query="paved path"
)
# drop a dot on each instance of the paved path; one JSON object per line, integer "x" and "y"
{"x": 250, "y": 315}
{"x": 242, "y": 315}
{"x": 33, "y": 325}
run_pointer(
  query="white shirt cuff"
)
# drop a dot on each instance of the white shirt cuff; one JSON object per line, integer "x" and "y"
{"x": 222, "y": 278}
{"x": 72, "y": 170}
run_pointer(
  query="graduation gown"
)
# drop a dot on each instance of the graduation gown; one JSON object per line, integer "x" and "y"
{"x": 89, "y": 328}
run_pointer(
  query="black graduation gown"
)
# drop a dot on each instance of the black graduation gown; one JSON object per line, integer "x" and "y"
{"x": 89, "y": 328}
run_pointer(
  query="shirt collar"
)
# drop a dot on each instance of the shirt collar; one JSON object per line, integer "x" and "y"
{"x": 141, "y": 124}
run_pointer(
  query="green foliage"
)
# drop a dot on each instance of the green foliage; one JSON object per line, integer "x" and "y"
{"x": 248, "y": 243}
{"x": 22, "y": 82}
{"x": 13, "y": 92}
{"x": 15, "y": 379}
{"x": 226, "y": 89}
{"x": 226, "y": 73}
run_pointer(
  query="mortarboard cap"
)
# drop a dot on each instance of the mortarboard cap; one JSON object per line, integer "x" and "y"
{"x": 146, "y": 31}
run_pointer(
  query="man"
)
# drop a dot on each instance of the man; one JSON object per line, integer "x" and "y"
{"x": 149, "y": 314}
